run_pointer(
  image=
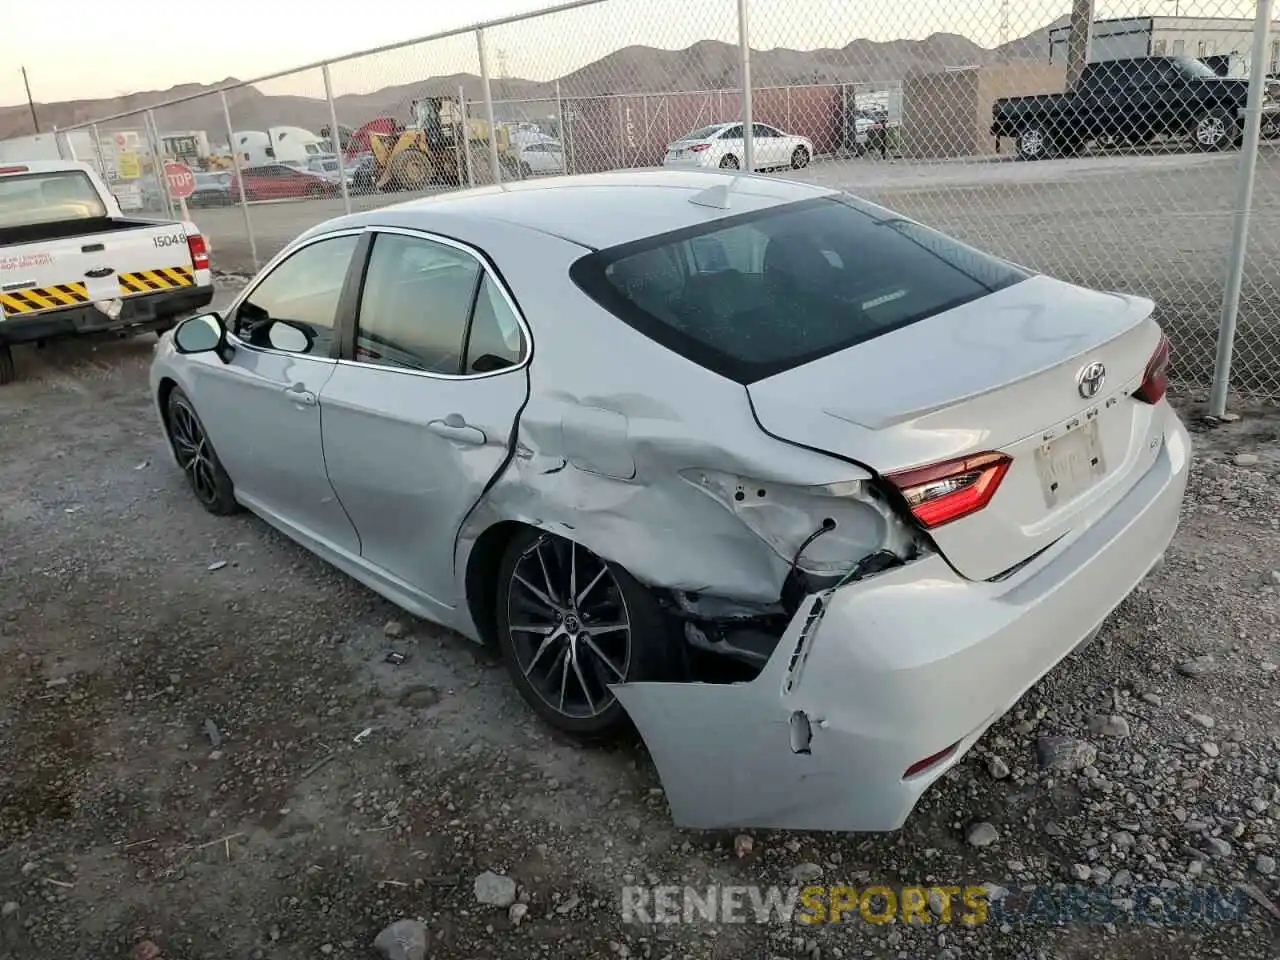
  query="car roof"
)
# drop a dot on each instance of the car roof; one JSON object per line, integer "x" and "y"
{"x": 596, "y": 210}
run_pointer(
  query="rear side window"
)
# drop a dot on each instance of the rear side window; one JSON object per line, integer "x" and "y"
{"x": 27, "y": 199}
{"x": 753, "y": 295}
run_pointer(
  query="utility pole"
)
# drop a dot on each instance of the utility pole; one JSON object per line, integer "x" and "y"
{"x": 1078, "y": 40}
{"x": 35, "y": 120}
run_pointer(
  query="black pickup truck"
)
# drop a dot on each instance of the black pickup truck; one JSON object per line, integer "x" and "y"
{"x": 1132, "y": 102}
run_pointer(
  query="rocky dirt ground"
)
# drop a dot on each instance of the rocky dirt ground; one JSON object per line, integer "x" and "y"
{"x": 206, "y": 753}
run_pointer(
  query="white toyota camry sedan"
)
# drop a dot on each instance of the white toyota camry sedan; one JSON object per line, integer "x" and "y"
{"x": 808, "y": 492}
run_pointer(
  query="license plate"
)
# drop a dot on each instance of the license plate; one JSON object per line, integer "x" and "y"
{"x": 1070, "y": 464}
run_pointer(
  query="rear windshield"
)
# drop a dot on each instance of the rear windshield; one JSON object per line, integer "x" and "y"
{"x": 753, "y": 295}
{"x": 48, "y": 198}
{"x": 704, "y": 132}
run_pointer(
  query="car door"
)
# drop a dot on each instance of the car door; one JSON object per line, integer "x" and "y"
{"x": 261, "y": 409}
{"x": 766, "y": 146}
{"x": 420, "y": 413}
{"x": 731, "y": 143}
{"x": 555, "y": 158}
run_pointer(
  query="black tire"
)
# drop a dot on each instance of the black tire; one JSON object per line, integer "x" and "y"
{"x": 7, "y": 373}
{"x": 799, "y": 158}
{"x": 1215, "y": 130}
{"x": 729, "y": 162}
{"x": 1034, "y": 143}
{"x": 314, "y": 190}
{"x": 558, "y": 636}
{"x": 195, "y": 454}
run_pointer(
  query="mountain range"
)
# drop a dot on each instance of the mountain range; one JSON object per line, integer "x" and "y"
{"x": 707, "y": 65}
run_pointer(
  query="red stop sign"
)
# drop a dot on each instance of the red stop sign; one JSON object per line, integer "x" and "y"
{"x": 180, "y": 179}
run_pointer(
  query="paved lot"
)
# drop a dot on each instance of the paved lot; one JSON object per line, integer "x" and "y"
{"x": 1154, "y": 225}
{"x": 133, "y": 624}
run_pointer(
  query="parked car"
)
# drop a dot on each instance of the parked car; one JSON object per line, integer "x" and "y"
{"x": 327, "y": 166}
{"x": 542, "y": 157}
{"x": 279, "y": 181}
{"x": 212, "y": 189}
{"x": 364, "y": 174}
{"x": 722, "y": 145}
{"x": 647, "y": 429}
{"x": 1132, "y": 102}
{"x": 75, "y": 266}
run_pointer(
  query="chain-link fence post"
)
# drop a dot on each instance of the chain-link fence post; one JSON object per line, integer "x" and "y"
{"x": 744, "y": 62}
{"x": 97, "y": 152}
{"x": 561, "y": 133}
{"x": 240, "y": 189}
{"x": 335, "y": 135}
{"x": 1243, "y": 205}
{"x": 494, "y": 167}
{"x": 157, "y": 160}
{"x": 465, "y": 109}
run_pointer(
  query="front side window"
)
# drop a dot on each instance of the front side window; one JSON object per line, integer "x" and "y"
{"x": 763, "y": 292}
{"x": 303, "y": 290}
{"x": 417, "y": 298}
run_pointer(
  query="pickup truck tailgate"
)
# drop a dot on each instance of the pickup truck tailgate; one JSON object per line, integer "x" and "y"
{"x": 136, "y": 259}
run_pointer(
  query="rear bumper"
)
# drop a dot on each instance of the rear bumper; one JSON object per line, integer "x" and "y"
{"x": 139, "y": 312}
{"x": 689, "y": 163}
{"x": 879, "y": 674}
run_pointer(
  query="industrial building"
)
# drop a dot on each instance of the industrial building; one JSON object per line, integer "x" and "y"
{"x": 1166, "y": 37}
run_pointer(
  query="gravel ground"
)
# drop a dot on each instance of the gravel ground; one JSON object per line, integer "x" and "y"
{"x": 205, "y": 753}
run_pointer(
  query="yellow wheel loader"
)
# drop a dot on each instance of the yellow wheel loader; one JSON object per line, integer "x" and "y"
{"x": 437, "y": 148}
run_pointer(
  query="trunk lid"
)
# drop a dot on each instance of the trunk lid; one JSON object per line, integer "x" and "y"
{"x": 999, "y": 374}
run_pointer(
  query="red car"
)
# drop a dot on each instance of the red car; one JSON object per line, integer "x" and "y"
{"x": 278, "y": 181}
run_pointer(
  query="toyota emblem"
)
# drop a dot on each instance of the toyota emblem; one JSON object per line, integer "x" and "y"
{"x": 1091, "y": 378}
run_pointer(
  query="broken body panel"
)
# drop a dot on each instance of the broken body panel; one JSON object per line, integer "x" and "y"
{"x": 708, "y": 489}
{"x": 873, "y": 676}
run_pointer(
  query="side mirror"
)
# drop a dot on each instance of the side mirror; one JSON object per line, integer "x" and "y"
{"x": 289, "y": 337}
{"x": 203, "y": 333}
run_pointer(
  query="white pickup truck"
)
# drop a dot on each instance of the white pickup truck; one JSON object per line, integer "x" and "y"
{"x": 71, "y": 264}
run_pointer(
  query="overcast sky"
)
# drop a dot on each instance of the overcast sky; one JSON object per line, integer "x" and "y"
{"x": 108, "y": 51}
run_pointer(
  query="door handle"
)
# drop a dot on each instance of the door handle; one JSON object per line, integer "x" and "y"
{"x": 300, "y": 395}
{"x": 454, "y": 427}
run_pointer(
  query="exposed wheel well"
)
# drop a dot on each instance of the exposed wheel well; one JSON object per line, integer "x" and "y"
{"x": 482, "y": 577}
{"x": 166, "y": 388}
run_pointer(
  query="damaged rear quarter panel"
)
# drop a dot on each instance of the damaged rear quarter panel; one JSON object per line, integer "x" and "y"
{"x": 612, "y": 420}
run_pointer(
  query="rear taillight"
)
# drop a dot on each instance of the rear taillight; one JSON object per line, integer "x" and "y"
{"x": 1155, "y": 381}
{"x": 14, "y": 169}
{"x": 699, "y": 147}
{"x": 199, "y": 251}
{"x": 942, "y": 492}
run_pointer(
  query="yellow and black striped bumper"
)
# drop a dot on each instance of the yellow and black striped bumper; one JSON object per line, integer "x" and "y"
{"x": 43, "y": 298}
{"x": 161, "y": 278}
{"x": 70, "y": 294}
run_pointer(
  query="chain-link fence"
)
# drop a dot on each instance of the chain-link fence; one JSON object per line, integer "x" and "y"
{"x": 1119, "y": 145}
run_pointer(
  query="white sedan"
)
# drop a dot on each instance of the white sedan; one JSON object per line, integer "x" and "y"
{"x": 541, "y": 157}
{"x": 723, "y": 145}
{"x": 808, "y": 491}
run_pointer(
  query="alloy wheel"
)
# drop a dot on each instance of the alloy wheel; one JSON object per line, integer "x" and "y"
{"x": 1032, "y": 143}
{"x": 1210, "y": 131}
{"x": 193, "y": 452}
{"x": 570, "y": 629}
